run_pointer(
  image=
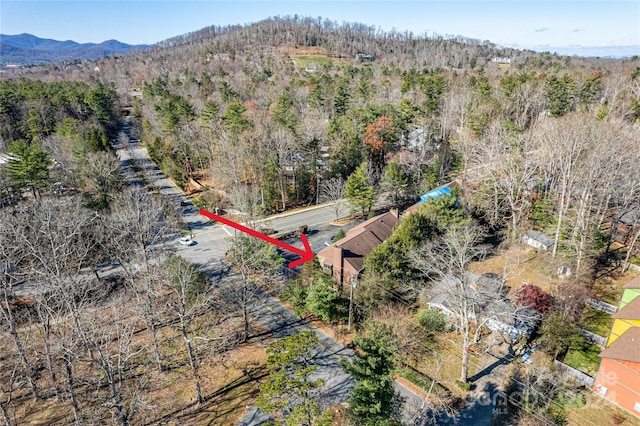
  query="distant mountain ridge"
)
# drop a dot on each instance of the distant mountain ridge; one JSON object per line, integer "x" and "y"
{"x": 30, "y": 49}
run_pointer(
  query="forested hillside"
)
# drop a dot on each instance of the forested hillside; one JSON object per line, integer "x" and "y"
{"x": 292, "y": 86}
{"x": 285, "y": 103}
{"x": 263, "y": 118}
{"x": 270, "y": 113}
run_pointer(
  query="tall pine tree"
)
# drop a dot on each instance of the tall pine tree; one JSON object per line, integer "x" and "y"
{"x": 290, "y": 394}
{"x": 373, "y": 400}
{"x": 358, "y": 191}
{"x": 28, "y": 167}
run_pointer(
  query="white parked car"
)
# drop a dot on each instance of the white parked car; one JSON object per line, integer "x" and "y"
{"x": 186, "y": 241}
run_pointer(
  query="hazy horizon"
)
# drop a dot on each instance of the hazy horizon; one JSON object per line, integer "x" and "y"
{"x": 585, "y": 28}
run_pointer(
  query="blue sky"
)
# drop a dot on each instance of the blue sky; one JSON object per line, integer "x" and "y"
{"x": 542, "y": 25}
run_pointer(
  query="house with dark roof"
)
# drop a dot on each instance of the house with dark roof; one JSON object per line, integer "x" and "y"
{"x": 626, "y": 228}
{"x": 344, "y": 259}
{"x": 496, "y": 311}
{"x": 618, "y": 378}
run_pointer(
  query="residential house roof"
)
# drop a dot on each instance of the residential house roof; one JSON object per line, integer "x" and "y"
{"x": 634, "y": 283}
{"x": 431, "y": 195}
{"x": 487, "y": 284}
{"x": 630, "y": 217}
{"x": 540, "y": 237}
{"x": 631, "y": 311}
{"x": 5, "y": 158}
{"x": 440, "y": 292}
{"x": 502, "y": 314}
{"x": 625, "y": 347}
{"x": 362, "y": 239}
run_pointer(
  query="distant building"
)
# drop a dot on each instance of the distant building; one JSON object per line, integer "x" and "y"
{"x": 222, "y": 56}
{"x": 5, "y": 158}
{"x": 291, "y": 164}
{"x": 135, "y": 93}
{"x": 311, "y": 68}
{"x": 344, "y": 259}
{"x": 626, "y": 228}
{"x": 364, "y": 57}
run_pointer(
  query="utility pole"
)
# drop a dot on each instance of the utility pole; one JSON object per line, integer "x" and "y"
{"x": 353, "y": 285}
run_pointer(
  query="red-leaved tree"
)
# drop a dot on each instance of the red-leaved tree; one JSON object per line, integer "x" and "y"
{"x": 378, "y": 134}
{"x": 533, "y": 297}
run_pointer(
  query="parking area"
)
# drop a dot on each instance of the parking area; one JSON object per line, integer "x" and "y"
{"x": 317, "y": 236}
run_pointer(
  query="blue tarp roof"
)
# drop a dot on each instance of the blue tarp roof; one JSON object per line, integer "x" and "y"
{"x": 435, "y": 193}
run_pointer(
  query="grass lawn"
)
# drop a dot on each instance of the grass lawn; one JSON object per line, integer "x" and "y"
{"x": 305, "y": 61}
{"x": 521, "y": 264}
{"x": 421, "y": 380}
{"x": 585, "y": 358}
{"x": 599, "y": 411}
{"x": 608, "y": 288}
{"x": 596, "y": 321}
{"x": 444, "y": 366}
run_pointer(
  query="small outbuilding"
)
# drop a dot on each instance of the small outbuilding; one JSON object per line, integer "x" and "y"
{"x": 537, "y": 240}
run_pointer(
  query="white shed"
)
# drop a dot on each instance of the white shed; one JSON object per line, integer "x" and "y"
{"x": 537, "y": 240}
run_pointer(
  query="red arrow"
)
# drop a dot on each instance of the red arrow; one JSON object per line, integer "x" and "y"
{"x": 307, "y": 253}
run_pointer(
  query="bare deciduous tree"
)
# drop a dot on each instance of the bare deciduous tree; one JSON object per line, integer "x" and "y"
{"x": 186, "y": 285}
{"x": 11, "y": 256}
{"x": 332, "y": 191}
{"x": 435, "y": 405}
{"x": 257, "y": 264}
{"x": 510, "y": 175}
{"x": 562, "y": 142}
{"x": 109, "y": 332}
{"x": 49, "y": 246}
{"x": 104, "y": 172}
{"x": 139, "y": 230}
{"x": 446, "y": 260}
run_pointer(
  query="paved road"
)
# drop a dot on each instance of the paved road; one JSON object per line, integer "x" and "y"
{"x": 211, "y": 240}
{"x": 283, "y": 323}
